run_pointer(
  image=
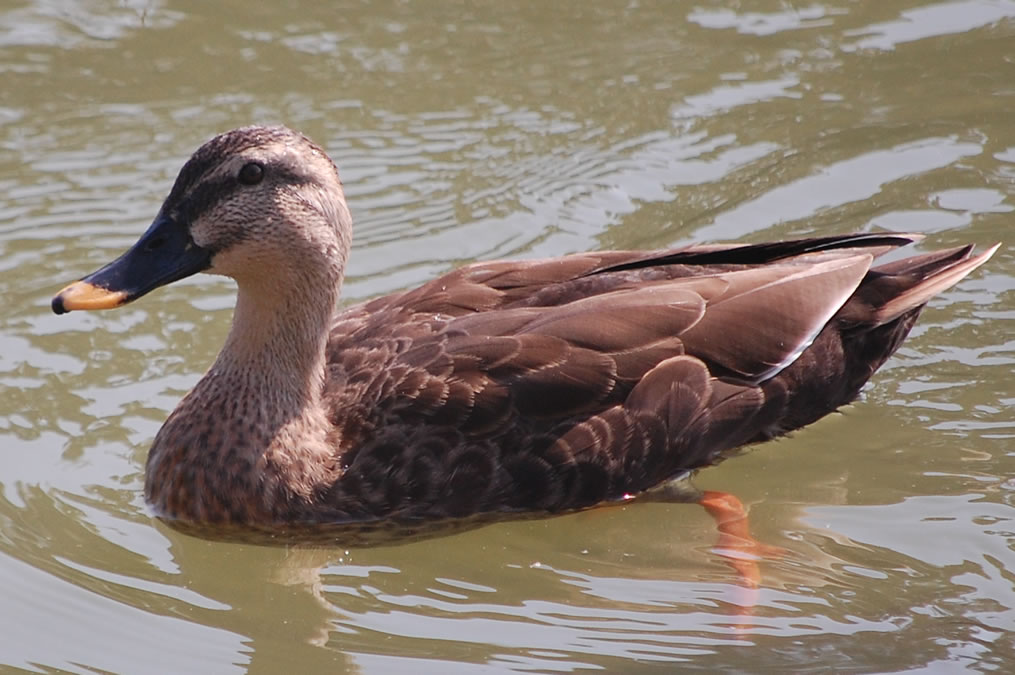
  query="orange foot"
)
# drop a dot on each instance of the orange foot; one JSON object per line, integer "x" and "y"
{"x": 736, "y": 545}
{"x": 737, "y": 548}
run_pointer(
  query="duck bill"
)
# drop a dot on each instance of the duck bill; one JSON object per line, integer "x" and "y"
{"x": 163, "y": 254}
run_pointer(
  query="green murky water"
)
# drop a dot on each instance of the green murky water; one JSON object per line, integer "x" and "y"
{"x": 470, "y": 131}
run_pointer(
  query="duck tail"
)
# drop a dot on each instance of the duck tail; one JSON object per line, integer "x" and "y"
{"x": 896, "y": 288}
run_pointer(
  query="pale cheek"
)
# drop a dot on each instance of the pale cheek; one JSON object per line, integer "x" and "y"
{"x": 227, "y": 263}
{"x": 219, "y": 226}
{"x": 244, "y": 261}
{"x": 217, "y": 267}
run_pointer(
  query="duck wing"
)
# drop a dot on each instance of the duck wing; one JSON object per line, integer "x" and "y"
{"x": 559, "y": 383}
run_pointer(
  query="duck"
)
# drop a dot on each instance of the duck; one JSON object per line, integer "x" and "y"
{"x": 500, "y": 387}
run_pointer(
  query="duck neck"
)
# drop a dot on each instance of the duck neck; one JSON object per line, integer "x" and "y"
{"x": 277, "y": 346}
{"x": 250, "y": 443}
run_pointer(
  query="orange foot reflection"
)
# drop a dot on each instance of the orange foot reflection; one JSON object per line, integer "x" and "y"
{"x": 736, "y": 545}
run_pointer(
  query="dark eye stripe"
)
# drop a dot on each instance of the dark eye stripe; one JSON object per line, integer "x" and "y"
{"x": 204, "y": 196}
{"x": 208, "y": 192}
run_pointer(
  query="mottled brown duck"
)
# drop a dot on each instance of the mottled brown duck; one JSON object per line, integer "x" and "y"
{"x": 534, "y": 386}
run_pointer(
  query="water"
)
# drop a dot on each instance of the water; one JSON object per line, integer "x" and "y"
{"x": 486, "y": 130}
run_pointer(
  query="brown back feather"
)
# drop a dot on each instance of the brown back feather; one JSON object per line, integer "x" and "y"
{"x": 557, "y": 384}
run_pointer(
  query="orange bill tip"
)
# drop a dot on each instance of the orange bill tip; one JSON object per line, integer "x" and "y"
{"x": 83, "y": 295}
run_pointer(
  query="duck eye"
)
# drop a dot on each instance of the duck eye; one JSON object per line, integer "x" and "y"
{"x": 251, "y": 173}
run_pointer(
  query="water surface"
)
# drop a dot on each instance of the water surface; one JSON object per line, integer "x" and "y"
{"x": 485, "y": 130}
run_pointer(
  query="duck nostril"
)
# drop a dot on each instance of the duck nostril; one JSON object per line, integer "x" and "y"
{"x": 155, "y": 243}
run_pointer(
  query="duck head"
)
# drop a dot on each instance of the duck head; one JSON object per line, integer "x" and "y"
{"x": 255, "y": 204}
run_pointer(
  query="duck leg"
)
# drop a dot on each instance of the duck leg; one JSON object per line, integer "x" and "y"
{"x": 735, "y": 545}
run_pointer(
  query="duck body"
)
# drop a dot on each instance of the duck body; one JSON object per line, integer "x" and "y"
{"x": 500, "y": 387}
